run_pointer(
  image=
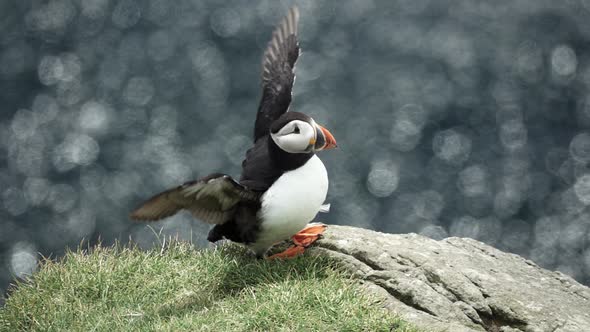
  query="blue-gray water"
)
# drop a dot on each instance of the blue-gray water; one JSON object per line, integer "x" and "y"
{"x": 454, "y": 118}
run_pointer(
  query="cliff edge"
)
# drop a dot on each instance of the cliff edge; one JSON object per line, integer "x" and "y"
{"x": 459, "y": 284}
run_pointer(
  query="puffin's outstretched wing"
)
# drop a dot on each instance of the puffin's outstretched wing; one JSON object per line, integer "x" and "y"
{"x": 212, "y": 199}
{"x": 278, "y": 75}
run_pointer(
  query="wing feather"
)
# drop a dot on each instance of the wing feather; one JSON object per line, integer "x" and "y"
{"x": 278, "y": 65}
{"x": 211, "y": 199}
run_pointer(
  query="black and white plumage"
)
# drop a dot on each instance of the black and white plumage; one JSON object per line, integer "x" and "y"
{"x": 283, "y": 183}
{"x": 278, "y": 73}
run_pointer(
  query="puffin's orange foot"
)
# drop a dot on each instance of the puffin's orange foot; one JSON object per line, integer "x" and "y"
{"x": 290, "y": 252}
{"x": 309, "y": 235}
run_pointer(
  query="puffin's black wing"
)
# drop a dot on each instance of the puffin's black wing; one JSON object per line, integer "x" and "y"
{"x": 212, "y": 199}
{"x": 278, "y": 74}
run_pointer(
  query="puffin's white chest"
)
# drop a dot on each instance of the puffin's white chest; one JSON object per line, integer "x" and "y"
{"x": 291, "y": 202}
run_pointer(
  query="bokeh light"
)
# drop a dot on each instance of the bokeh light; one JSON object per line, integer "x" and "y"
{"x": 451, "y": 146}
{"x": 23, "y": 259}
{"x": 383, "y": 178}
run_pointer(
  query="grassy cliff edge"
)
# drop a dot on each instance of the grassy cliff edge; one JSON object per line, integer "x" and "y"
{"x": 176, "y": 287}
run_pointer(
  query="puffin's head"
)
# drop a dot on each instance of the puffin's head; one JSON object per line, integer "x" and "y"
{"x": 296, "y": 132}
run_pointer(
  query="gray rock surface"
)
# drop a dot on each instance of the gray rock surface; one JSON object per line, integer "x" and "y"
{"x": 459, "y": 284}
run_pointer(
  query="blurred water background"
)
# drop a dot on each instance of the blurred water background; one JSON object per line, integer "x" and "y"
{"x": 454, "y": 118}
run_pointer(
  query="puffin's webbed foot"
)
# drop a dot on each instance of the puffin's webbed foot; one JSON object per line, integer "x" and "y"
{"x": 309, "y": 235}
{"x": 303, "y": 239}
{"x": 290, "y": 252}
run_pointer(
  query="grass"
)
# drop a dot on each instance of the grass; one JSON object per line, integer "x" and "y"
{"x": 179, "y": 288}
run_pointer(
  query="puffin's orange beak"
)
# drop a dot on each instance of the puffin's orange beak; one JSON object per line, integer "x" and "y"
{"x": 325, "y": 139}
{"x": 330, "y": 140}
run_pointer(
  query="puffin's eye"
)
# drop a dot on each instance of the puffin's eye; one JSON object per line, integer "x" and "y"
{"x": 296, "y": 130}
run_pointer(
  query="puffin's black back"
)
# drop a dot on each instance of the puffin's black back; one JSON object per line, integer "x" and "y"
{"x": 259, "y": 171}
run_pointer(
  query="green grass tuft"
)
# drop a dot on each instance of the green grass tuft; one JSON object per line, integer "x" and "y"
{"x": 178, "y": 288}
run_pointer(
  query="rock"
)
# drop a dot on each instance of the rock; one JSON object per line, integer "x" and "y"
{"x": 459, "y": 284}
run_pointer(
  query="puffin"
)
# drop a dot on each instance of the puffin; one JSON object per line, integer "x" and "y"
{"x": 283, "y": 184}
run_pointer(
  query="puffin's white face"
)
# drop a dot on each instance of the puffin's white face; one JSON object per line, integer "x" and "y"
{"x": 295, "y": 137}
